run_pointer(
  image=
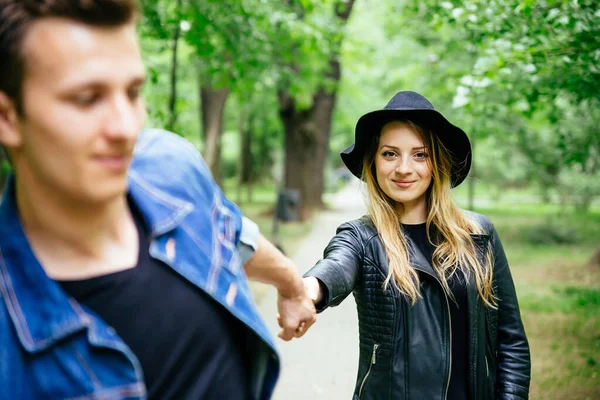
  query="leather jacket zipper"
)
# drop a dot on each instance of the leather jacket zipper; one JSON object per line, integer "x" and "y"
{"x": 449, "y": 327}
{"x": 450, "y": 331}
{"x": 450, "y": 359}
{"x": 373, "y": 361}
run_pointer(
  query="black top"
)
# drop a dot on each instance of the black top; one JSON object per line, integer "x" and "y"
{"x": 458, "y": 389}
{"x": 188, "y": 345}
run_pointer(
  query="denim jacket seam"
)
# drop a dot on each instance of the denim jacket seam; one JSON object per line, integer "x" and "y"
{"x": 216, "y": 259}
{"x": 131, "y": 389}
{"x": 158, "y": 194}
{"x": 228, "y": 242}
{"x": 88, "y": 370}
{"x": 181, "y": 207}
{"x": 195, "y": 239}
{"x": 15, "y": 308}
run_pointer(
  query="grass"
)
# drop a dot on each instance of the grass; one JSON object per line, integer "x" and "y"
{"x": 559, "y": 296}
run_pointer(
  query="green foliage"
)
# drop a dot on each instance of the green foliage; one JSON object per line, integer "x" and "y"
{"x": 551, "y": 47}
{"x": 565, "y": 299}
{"x": 552, "y": 232}
{"x": 521, "y": 77}
{"x": 254, "y": 48}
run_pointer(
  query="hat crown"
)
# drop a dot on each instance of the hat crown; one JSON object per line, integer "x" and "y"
{"x": 408, "y": 100}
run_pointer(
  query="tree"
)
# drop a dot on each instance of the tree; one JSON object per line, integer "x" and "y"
{"x": 234, "y": 44}
{"x": 307, "y": 127}
{"x": 524, "y": 65}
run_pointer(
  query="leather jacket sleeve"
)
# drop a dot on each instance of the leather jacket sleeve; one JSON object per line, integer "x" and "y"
{"x": 339, "y": 269}
{"x": 513, "y": 370}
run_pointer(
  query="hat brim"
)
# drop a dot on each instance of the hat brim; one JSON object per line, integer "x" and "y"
{"x": 454, "y": 139}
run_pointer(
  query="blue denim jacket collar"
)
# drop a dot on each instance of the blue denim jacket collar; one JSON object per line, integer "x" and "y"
{"x": 40, "y": 324}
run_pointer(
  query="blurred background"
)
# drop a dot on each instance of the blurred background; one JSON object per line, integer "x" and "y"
{"x": 270, "y": 91}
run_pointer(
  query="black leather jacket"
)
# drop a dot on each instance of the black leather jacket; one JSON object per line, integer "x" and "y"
{"x": 405, "y": 351}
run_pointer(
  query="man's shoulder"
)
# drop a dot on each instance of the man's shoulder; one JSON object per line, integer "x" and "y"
{"x": 164, "y": 155}
{"x": 166, "y": 163}
{"x": 160, "y": 144}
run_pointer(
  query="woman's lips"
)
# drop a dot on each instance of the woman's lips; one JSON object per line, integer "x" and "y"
{"x": 403, "y": 184}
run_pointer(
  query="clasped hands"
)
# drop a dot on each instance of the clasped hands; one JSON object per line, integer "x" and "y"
{"x": 296, "y": 308}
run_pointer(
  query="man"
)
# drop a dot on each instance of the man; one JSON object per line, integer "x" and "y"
{"x": 121, "y": 269}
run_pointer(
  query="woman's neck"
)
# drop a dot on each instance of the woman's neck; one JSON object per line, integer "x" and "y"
{"x": 412, "y": 213}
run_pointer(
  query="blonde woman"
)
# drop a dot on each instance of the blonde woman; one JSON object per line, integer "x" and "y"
{"x": 438, "y": 313}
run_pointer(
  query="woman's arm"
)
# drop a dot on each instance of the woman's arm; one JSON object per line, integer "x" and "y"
{"x": 335, "y": 276}
{"x": 513, "y": 360}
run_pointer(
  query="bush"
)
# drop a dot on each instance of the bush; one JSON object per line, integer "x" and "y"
{"x": 552, "y": 232}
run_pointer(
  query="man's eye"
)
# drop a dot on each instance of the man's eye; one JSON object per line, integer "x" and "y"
{"x": 86, "y": 100}
{"x": 134, "y": 93}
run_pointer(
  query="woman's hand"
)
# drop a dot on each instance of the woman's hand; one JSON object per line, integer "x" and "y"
{"x": 313, "y": 289}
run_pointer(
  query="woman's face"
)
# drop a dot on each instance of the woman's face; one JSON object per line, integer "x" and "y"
{"x": 402, "y": 164}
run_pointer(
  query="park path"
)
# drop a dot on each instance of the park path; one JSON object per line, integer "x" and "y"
{"x": 323, "y": 363}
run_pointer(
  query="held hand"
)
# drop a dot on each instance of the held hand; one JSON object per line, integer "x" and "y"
{"x": 313, "y": 289}
{"x": 296, "y": 314}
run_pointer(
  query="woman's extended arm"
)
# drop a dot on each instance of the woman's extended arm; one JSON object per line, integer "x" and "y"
{"x": 335, "y": 276}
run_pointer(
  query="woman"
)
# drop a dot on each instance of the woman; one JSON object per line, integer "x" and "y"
{"x": 438, "y": 313}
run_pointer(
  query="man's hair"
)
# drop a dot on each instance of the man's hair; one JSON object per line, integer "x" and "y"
{"x": 17, "y": 17}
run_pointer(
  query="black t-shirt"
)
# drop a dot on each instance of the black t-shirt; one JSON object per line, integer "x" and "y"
{"x": 188, "y": 345}
{"x": 458, "y": 314}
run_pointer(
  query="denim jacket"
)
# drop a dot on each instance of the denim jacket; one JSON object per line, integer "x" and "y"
{"x": 51, "y": 347}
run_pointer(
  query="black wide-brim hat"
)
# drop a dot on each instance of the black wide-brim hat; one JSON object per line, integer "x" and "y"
{"x": 416, "y": 108}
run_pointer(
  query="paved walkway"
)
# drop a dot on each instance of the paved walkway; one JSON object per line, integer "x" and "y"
{"x": 323, "y": 363}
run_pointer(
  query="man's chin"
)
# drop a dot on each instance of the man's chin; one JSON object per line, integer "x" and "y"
{"x": 107, "y": 193}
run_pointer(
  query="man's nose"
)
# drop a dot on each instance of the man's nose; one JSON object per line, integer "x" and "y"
{"x": 124, "y": 119}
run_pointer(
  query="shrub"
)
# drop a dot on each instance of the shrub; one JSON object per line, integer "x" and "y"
{"x": 552, "y": 232}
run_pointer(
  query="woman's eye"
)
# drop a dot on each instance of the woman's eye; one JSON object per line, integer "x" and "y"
{"x": 389, "y": 154}
{"x": 420, "y": 155}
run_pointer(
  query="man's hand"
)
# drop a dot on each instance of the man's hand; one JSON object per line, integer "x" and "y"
{"x": 296, "y": 313}
{"x": 296, "y": 310}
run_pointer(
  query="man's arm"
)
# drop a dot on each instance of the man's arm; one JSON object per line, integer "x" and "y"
{"x": 296, "y": 310}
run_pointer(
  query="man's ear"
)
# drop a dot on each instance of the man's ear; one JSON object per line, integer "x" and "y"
{"x": 10, "y": 135}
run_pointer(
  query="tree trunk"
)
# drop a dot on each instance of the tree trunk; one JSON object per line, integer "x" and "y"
{"x": 304, "y": 143}
{"x": 173, "y": 95}
{"x": 212, "y": 108}
{"x": 245, "y": 164}
{"x": 595, "y": 260}
{"x": 307, "y": 134}
{"x": 246, "y": 157}
{"x": 583, "y": 204}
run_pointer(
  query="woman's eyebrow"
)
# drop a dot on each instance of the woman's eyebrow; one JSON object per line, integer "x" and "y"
{"x": 396, "y": 148}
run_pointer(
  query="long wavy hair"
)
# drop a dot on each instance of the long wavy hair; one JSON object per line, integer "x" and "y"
{"x": 448, "y": 228}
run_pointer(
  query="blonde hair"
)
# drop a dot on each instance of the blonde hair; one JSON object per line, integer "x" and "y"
{"x": 455, "y": 251}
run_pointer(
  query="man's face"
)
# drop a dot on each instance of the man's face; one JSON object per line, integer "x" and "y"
{"x": 82, "y": 109}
